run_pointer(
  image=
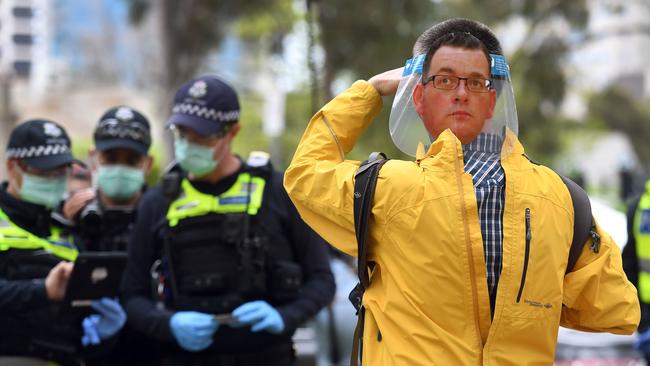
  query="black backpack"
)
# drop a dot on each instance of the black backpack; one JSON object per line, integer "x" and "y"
{"x": 364, "y": 190}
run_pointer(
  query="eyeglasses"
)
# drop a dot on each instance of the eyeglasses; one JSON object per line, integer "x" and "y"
{"x": 121, "y": 156}
{"x": 448, "y": 82}
{"x": 62, "y": 171}
{"x": 181, "y": 132}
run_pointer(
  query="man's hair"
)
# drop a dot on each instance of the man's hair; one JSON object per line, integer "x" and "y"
{"x": 457, "y": 32}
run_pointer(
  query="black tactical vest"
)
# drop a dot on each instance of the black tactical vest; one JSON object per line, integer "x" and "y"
{"x": 219, "y": 256}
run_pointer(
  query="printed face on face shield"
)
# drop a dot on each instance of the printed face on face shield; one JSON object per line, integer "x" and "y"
{"x": 464, "y": 108}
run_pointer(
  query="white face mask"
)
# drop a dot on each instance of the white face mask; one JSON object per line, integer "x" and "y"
{"x": 46, "y": 191}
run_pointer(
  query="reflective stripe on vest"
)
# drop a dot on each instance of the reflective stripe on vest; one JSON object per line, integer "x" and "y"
{"x": 642, "y": 237}
{"x": 13, "y": 236}
{"x": 193, "y": 203}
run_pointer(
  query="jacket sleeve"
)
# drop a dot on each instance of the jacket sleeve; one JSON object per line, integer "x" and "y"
{"x": 311, "y": 254}
{"x": 22, "y": 295}
{"x": 597, "y": 295}
{"x": 319, "y": 180}
{"x": 142, "y": 313}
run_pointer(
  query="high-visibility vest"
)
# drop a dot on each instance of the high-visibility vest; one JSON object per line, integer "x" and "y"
{"x": 245, "y": 196}
{"x": 13, "y": 236}
{"x": 642, "y": 238}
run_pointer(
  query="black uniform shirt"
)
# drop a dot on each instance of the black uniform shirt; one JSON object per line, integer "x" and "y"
{"x": 29, "y": 317}
{"x": 631, "y": 261}
{"x": 105, "y": 230}
{"x": 278, "y": 215}
{"x": 23, "y": 295}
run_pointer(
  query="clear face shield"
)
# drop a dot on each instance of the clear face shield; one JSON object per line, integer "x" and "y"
{"x": 473, "y": 108}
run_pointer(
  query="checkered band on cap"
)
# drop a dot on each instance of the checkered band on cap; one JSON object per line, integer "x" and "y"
{"x": 206, "y": 113}
{"x": 113, "y": 129}
{"x": 37, "y": 151}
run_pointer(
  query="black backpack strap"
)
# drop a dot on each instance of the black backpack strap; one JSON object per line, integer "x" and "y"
{"x": 364, "y": 191}
{"x": 584, "y": 226}
{"x": 583, "y": 223}
{"x": 170, "y": 181}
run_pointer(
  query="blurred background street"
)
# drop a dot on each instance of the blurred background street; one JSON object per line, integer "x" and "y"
{"x": 580, "y": 71}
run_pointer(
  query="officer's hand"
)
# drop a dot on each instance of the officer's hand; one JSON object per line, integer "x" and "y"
{"x": 77, "y": 201}
{"x": 193, "y": 330}
{"x": 642, "y": 343}
{"x": 90, "y": 336}
{"x": 111, "y": 316}
{"x": 57, "y": 281}
{"x": 386, "y": 83}
{"x": 260, "y": 315}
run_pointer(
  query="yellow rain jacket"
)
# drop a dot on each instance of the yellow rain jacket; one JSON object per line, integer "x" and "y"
{"x": 428, "y": 301}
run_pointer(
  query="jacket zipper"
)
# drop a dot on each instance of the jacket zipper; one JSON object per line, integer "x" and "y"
{"x": 468, "y": 246}
{"x": 526, "y": 255}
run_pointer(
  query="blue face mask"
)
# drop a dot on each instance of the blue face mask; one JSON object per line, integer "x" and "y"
{"x": 196, "y": 159}
{"x": 46, "y": 191}
{"x": 119, "y": 181}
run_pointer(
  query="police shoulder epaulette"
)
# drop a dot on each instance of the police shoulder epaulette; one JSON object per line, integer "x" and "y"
{"x": 257, "y": 159}
{"x": 259, "y": 162}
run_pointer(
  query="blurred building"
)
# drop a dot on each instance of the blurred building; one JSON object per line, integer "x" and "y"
{"x": 616, "y": 49}
{"x": 18, "y": 50}
{"x": 16, "y": 36}
{"x": 70, "y": 60}
{"x": 613, "y": 51}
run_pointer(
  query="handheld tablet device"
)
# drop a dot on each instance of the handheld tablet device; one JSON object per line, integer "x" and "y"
{"x": 95, "y": 275}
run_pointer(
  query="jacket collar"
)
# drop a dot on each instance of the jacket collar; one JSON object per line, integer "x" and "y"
{"x": 447, "y": 148}
{"x": 29, "y": 216}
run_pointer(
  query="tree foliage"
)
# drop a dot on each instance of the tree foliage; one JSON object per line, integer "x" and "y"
{"x": 368, "y": 37}
{"x": 191, "y": 29}
{"x": 618, "y": 110}
{"x": 363, "y": 38}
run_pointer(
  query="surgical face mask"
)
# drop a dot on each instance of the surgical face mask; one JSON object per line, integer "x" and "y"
{"x": 119, "y": 181}
{"x": 46, "y": 191}
{"x": 196, "y": 159}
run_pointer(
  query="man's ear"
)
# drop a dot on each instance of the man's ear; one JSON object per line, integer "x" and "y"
{"x": 12, "y": 168}
{"x": 10, "y": 164}
{"x": 92, "y": 154}
{"x": 418, "y": 95}
{"x": 148, "y": 164}
{"x": 13, "y": 177}
{"x": 234, "y": 130}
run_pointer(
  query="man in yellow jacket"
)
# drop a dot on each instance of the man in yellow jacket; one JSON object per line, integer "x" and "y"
{"x": 470, "y": 242}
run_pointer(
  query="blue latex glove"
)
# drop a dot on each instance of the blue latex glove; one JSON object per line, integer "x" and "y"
{"x": 90, "y": 335}
{"x": 642, "y": 343}
{"x": 109, "y": 320}
{"x": 193, "y": 330}
{"x": 111, "y": 317}
{"x": 260, "y": 315}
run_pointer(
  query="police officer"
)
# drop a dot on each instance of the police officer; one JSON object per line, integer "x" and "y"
{"x": 238, "y": 270}
{"x": 31, "y": 244}
{"x": 104, "y": 215}
{"x": 636, "y": 262}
